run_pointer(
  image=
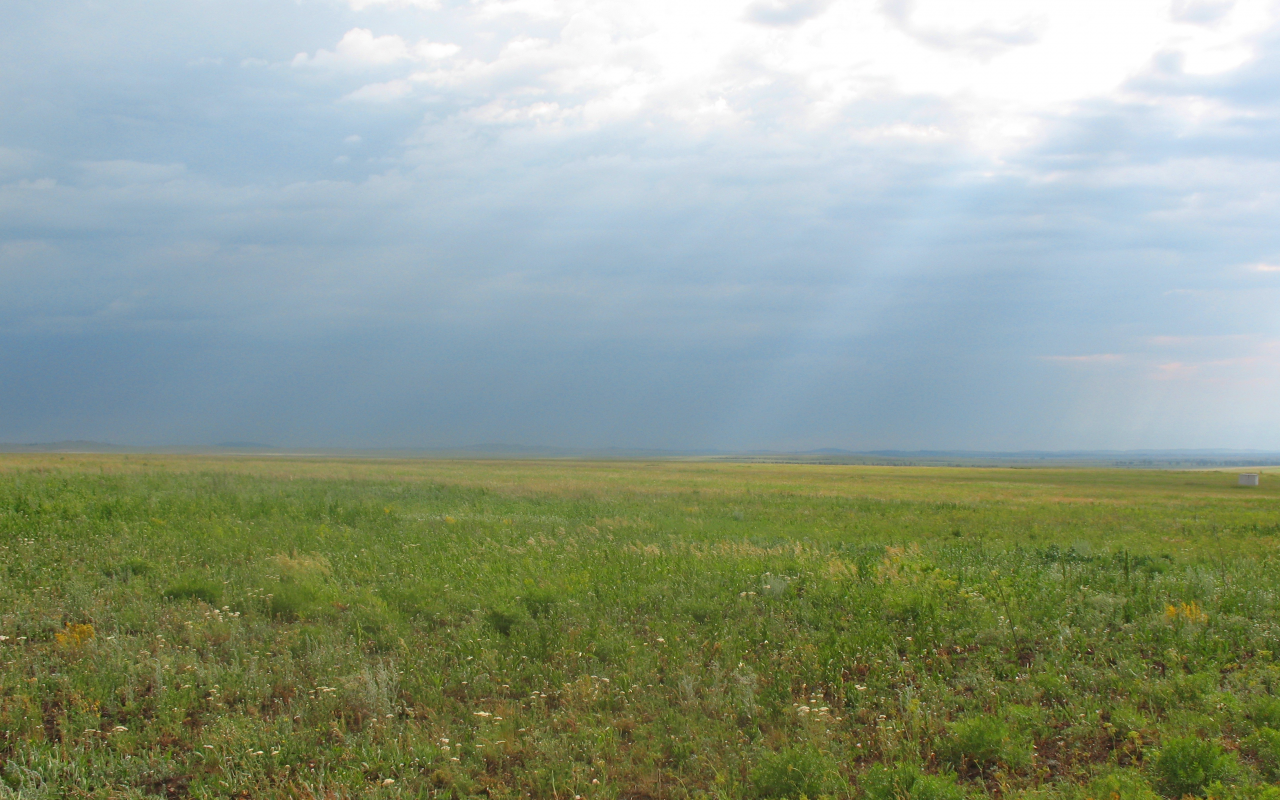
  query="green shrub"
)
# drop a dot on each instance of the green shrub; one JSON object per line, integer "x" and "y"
{"x": 983, "y": 742}
{"x": 908, "y": 782}
{"x": 1156, "y": 566}
{"x": 610, "y": 651}
{"x": 293, "y": 601}
{"x": 125, "y": 570}
{"x": 373, "y": 623}
{"x": 1054, "y": 689}
{"x": 1032, "y": 721}
{"x": 501, "y": 621}
{"x": 1221, "y": 791}
{"x": 301, "y": 587}
{"x": 539, "y": 602}
{"x": 1264, "y": 746}
{"x": 1122, "y": 784}
{"x": 1186, "y": 765}
{"x": 702, "y": 612}
{"x": 1265, "y": 712}
{"x": 775, "y": 585}
{"x": 794, "y": 772}
{"x": 1192, "y": 722}
{"x": 195, "y": 587}
{"x": 1189, "y": 690}
{"x": 304, "y": 639}
{"x": 911, "y": 605}
{"x": 1126, "y": 720}
{"x": 415, "y": 601}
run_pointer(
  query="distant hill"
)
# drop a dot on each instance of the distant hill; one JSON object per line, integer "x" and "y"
{"x": 1140, "y": 459}
{"x": 1150, "y": 459}
{"x": 72, "y": 446}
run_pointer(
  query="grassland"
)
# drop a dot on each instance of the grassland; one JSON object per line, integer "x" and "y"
{"x": 308, "y": 628}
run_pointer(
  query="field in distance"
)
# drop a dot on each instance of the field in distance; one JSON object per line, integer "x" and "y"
{"x": 300, "y": 627}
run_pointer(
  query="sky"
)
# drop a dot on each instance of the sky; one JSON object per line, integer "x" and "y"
{"x": 731, "y": 224}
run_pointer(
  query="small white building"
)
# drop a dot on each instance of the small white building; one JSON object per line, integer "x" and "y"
{"x": 1248, "y": 479}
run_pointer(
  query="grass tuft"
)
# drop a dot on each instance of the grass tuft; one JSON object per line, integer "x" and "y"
{"x": 1187, "y": 765}
{"x": 195, "y": 587}
{"x": 793, "y": 773}
{"x": 982, "y": 742}
{"x": 908, "y": 782}
{"x": 501, "y": 621}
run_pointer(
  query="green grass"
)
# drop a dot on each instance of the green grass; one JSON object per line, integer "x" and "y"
{"x": 186, "y": 627}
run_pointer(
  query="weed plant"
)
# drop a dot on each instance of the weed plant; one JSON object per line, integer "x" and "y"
{"x": 182, "y": 627}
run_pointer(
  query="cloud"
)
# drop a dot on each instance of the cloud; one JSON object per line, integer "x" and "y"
{"x": 131, "y": 172}
{"x": 993, "y": 70}
{"x": 1240, "y": 360}
{"x": 1201, "y": 12}
{"x": 785, "y": 12}
{"x": 725, "y": 224}
{"x": 540, "y": 10}
{"x": 360, "y": 49}
{"x": 361, "y": 5}
{"x": 1254, "y": 370}
{"x": 19, "y": 250}
{"x": 16, "y": 161}
{"x": 990, "y": 31}
{"x": 1093, "y": 358}
{"x": 1180, "y": 341}
{"x": 381, "y": 92}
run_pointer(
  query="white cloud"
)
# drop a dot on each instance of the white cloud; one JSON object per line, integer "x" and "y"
{"x": 432, "y": 51}
{"x": 1201, "y": 12}
{"x": 533, "y": 9}
{"x": 1001, "y": 65}
{"x": 361, "y": 5}
{"x": 785, "y": 12}
{"x": 381, "y": 92}
{"x": 360, "y": 49}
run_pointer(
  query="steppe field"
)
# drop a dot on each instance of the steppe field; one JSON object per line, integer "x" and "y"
{"x": 292, "y": 627}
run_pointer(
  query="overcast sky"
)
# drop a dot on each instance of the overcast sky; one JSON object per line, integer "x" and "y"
{"x": 996, "y": 224}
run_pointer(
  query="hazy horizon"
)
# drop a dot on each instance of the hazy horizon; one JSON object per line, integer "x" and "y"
{"x": 750, "y": 225}
{"x": 1207, "y": 457}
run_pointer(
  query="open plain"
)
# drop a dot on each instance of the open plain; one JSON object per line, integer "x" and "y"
{"x": 304, "y": 627}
